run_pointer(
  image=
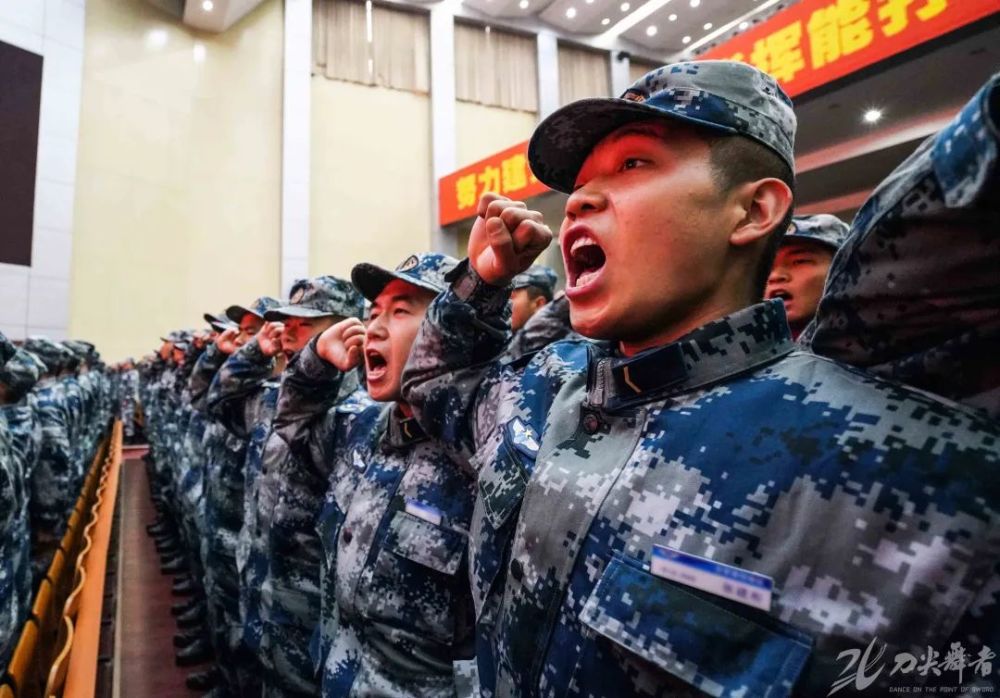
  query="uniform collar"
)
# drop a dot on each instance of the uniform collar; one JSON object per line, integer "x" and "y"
{"x": 402, "y": 431}
{"x": 734, "y": 344}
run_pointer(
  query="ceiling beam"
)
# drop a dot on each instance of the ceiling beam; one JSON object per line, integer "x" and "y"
{"x": 900, "y": 132}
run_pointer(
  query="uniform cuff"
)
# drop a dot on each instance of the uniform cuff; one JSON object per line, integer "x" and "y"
{"x": 486, "y": 299}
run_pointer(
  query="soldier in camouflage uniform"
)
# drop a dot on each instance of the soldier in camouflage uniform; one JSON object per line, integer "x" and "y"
{"x": 801, "y": 265}
{"x": 550, "y": 324}
{"x": 225, "y": 454}
{"x": 18, "y": 405}
{"x": 127, "y": 389}
{"x": 914, "y": 294}
{"x": 531, "y": 291}
{"x": 243, "y": 398}
{"x": 390, "y": 550}
{"x": 10, "y": 620}
{"x": 57, "y": 473}
{"x": 691, "y": 504}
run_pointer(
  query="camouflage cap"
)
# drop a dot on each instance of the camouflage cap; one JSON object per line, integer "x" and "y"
{"x": 822, "y": 228}
{"x": 725, "y": 96}
{"x": 539, "y": 276}
{"x": 84, "y": 350}
{"x": 20, "y": 373}
{"x": 176, "y": 336}
{"x": 259, "y": 308}
{"x": 320, "y": 296}
{"x": 7, "y": 349}
{"x": 220, "y": 322}
{"x": 55, "y": 356}
{"x": 424, "y": 270}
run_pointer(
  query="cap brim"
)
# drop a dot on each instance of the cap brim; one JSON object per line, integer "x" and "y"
{"x": 217, "y": 321}
{"x": 287, "y": 311}
{"x": 561, "y": 143}
{"x": 371, "y": 279}
{"x": 795, "y": 238}
{"x": 236, "y": 313}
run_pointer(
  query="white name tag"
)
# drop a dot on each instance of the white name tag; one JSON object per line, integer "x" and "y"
{"x": 716, "y": 578}
{"x": 423, "y": 511}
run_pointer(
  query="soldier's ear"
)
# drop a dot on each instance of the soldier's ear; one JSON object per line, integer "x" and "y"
{"x": 765, "y": 203}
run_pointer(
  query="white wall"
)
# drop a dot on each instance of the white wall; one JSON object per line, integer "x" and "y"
{"x": 35, "y": 300}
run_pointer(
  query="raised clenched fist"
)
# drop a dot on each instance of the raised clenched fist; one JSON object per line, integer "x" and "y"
{"x": 343, "y": 344}
{"x": 226, "y": 341}
{"x": 269, "y": 338}
{"x": 505, "y": 239}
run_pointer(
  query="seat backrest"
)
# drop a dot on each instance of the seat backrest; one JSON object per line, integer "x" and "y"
{"x": 57, "y": 572}
{"x": 19, "y": 669}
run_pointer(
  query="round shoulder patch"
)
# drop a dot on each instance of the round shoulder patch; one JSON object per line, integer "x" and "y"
{"x": 297, "y": 296}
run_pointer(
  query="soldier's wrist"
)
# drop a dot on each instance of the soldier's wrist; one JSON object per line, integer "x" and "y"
{"x": 468, "y": 286}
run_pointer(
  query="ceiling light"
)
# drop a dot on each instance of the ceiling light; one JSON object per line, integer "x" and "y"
{"x": 716, "y": 33}
{"x": 744, "y": 25}
{"x": 605, "y": 22}
{"x": 523, "y": 4}
{"x": 686, "y": 40}
{"x": 651, "y": 30}
{"x": 157, "y": 38}
{"x": 708, "y": 25}
{"x": 571, "y": 12}
{"x": 872, "y": 116}
{"x": 208, "y": 5}
{"x": 672, "y": 18}
{"x": 590, "y": 2}
{"x": 695, "y": 3}
{"x": 625, "y": 7}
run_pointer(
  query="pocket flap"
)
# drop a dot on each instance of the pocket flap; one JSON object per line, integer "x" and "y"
{"x": 437, "y": 547}
{"x": 715, "y": 647}
{"x": 502, "y": 482}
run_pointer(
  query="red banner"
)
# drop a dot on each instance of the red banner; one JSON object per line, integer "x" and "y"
{"x": 817, "y": 41}
{"x": 506, "y": 173}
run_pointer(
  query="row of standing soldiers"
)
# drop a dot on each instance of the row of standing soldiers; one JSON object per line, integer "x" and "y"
{"x": 56, "y": 400}
{"x": 513, "y": 523}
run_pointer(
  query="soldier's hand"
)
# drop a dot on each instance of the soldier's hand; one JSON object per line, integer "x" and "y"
{"x": 505, "y": 239}
{"x": 226, "y": 341}
{"x": 269, "y": 338}
{"x": 343, "y": 344}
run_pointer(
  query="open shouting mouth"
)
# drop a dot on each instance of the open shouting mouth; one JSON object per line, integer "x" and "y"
{"x": 376, "y": 367}
{"x": 584, "y": 259}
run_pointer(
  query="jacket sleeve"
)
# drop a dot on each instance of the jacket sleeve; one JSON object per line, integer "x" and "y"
{"x": 310, "y": 388}
{"x": 913, "y": 295}
{"x": 454, "y": 365}
{"x": 204, "y": 371}
{"x": 236, "y": 383}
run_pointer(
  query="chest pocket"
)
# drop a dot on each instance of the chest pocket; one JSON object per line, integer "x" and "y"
{"x": 432, "y": 546}
{"x": 501, "y": 487}
{"x": 722, "y": 650}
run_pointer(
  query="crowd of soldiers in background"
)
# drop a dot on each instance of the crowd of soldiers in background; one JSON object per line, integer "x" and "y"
{"x": 210, "y": 397}
{"x": 424, "y": 482}
{"x": 56, "y": 400}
